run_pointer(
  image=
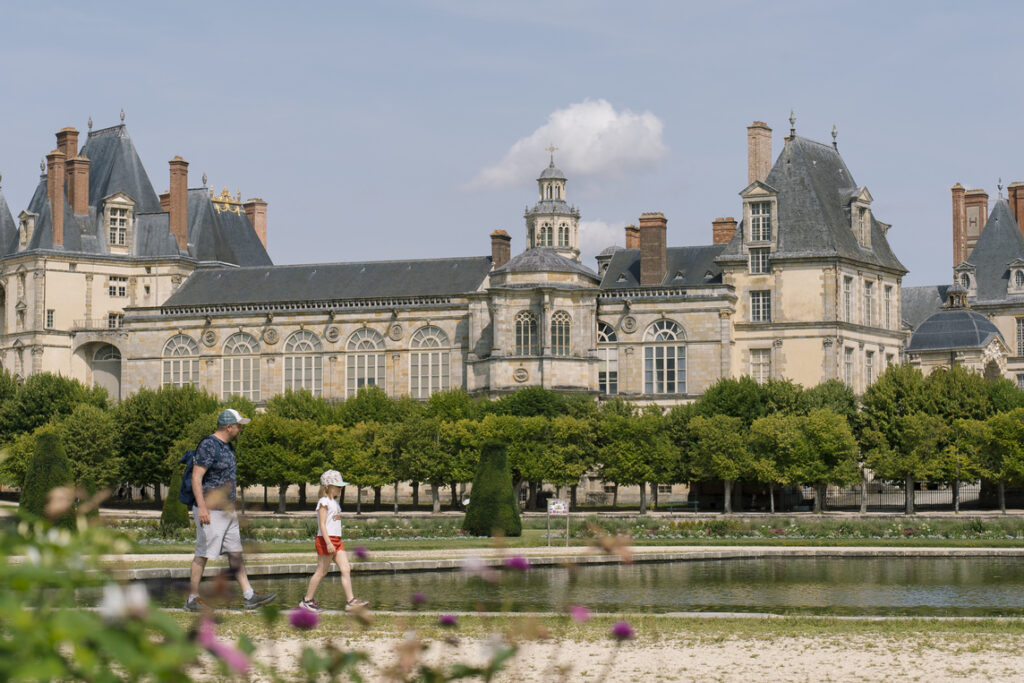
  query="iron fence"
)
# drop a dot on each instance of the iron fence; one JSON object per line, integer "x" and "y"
{"x": 891, "y": 496}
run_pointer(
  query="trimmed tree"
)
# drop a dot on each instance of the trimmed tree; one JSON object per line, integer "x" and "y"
{"x": 48, "y": 469}
{"x": 492, "y": 504}
{"x": 174, "y": 515}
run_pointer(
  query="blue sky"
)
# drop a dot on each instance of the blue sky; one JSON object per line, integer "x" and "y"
{"x": 380, "y": 130}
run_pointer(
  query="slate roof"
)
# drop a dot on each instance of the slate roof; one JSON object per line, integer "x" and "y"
{"x": 1000, "y": 243}
{"x": 115, "y": 166}
{"x": 332, "y": 281}
{"x": 918, "y": 303}
{"x": 8, "y": 228}
{"x": 544, "y": 259}
{"x": 954, "y": 328}
{"x": 814, "y": 189}
{"x": 552, "y": 171}
{"x": 684, "y": 266}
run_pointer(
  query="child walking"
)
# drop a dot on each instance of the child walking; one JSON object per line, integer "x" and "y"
{"x": 328, "y": 543}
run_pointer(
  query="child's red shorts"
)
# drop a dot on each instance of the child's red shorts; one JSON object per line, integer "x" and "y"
{"x": 321, "y": 545}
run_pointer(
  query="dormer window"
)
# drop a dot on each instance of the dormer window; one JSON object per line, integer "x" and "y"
{"x": 1016, "y": 282}
{"x": 118, "y": 210}
{"x": 26, "y": 228}
{"x": 965, "y": 280}
{"x": 965, "y": 276}
{"x": 760, "y": 215}
{"x": 760, "y": 221}
{"x": 860, "y": 214}
{"x": 117, "y": 222}
{"x": 1018, "y": 278}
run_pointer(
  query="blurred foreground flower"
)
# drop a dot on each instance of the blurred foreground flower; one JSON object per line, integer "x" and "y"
{"x": 475, "y": 566}
{"x": 579, "y": 613}
{"x": 120, "y": 603}
{"x": 233, "y": 658}
{"x": 621, "y": 630}
{"x": 448, "y": 621}
{"x": 517, "y": 562}
{"x": 611, "y": 545}
{"x": 360, "y": 552}
{"x": 303, "y": 619}
{"x": 418, "y": 599}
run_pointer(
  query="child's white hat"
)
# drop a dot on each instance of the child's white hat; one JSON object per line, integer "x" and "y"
{"x": 332, "y": 478}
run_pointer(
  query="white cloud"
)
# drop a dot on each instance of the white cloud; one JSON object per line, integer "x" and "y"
{"x": 595, "y": 236}
{"x": 592, "y": 138}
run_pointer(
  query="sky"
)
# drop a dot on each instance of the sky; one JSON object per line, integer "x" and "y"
{"x": 404, "y": 130}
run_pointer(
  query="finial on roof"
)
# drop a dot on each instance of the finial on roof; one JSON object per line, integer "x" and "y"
{"x": 90, "y": 122}
{"x": 835, "y": 133}
{"x": 239, "y": 194}
{"x": 551, "y": 148}
{"x": 42, "y": 165}
{"x": 792, "y": 122}
{"x": 122, "y": 114}
{"x": 204, "y": 178}
{"x": 999, "y": 188}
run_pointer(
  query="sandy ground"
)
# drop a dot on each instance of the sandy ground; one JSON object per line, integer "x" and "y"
{"x": 830, "y": 658}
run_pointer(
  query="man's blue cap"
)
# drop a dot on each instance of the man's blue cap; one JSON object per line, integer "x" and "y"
{"x": 230, "y": 416}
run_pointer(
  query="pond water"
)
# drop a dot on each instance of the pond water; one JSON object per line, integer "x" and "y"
{"x": 847, "y": 586}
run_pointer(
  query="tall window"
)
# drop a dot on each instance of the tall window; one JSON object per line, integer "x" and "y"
{"x": 49, "y": 317}
{"x": 117, "y": 286}
{"x": 115, "y": 320}
{"x": 848, "y": 299}
{"x": 608, "y": 363}
{"x": 965, "y": 280}
{"x": 563, "y": 235}
{"x": 664, "y": 359}
{"x": 1020, "y": 336}
{"x": 429, "y": 362}
{"x": 759, "y": 260}
{"x": 760, "y": 221}
{"x": 1018, "y": 278}
{"x": 181, "y": 361}
{"x": 561, "y": 324}
{"x": 1020, "y": 381}
{"x": 888, "y": 307}
{"x": 848, "y": 367}
{"x": 365, "y": 360}
{"x": 869, "y": 368}
{"x": 761, "y": 365}
{"x": 760, "y": 306}
{"x": 526, "y": 334}
{"x": 241, "y": 367}
{"x": 546, "y": 235}
{"x": 303, "y": 362}
{"x": 869, "y": 302}
{"x": 117, "y": 223}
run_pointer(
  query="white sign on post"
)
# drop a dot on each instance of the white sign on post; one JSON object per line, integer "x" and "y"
{"x": 558, "y": 508}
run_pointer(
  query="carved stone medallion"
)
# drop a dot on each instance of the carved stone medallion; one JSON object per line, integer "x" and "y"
{"x": 628, "y": 324}
{"x": 332, "y": 334}
{"x": 209, "y": 338}
{"x": 520, "y": 375}
{"x": 270, "y": 335}
{"x": 396, "y": 331}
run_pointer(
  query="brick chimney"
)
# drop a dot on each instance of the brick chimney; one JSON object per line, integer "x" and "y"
{"x": 959, "y": 238}
{"x": 1015, "y": 195}
{"x": 67, "y": 142}
{"x": 722, "y": 230}
{"x": 501, "y": 248}
{"x": 759, "y": 151}
{"x": 976, "y": 212}
{"x": 55, "y": 193}
{"x": 78, "y": 184}
{"x": 178, "y": 208}
{"x": 256, "y": 212}
{"x": 165, "y": 201}
{"x": 652, "y": 248}
{"x": 632, "y": 237}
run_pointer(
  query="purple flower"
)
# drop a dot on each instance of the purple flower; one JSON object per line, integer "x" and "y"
{"x": 517, "y": 562}
{"x": 360, "y": 552}
{"x": 579, "y": 613}
{"x": 303, "y": 619}
{"x": 235, "y": 659}
{"x": 418, "y": 598}
{"x": 621, "y": 630}
{"x": 448, "y": 621}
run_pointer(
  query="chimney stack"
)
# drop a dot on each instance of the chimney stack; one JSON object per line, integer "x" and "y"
{"x": 78, "y": 185}
{"x": 256, "y": 212}
{"x": 67, "y": 142}
{"x": 959, "y": 238}
{"x": 976, "y": 212}
{"x": 759, "y": 151}
{"x": 722, "y": 230}
{"x": 1015, "y": 194}
{"x": 55, "y": 193}
{"x": 178, "y": 208}
{"x": 652, "y": 248}
{"x": 501, "y": 248}
{"x": 632, "y": 237}
{"x": 165, "y": 201}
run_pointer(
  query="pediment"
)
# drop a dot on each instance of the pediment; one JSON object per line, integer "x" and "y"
{"x": 119, "y": 198}
{"x": 1016, "y": 263}
{"x": 964, "y": 267}
{"x": 758, "y": 189}
{"x": 25, "y": 215}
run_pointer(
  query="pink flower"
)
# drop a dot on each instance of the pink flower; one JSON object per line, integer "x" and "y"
{"x": 360, "y": 552}
{"x": 233, "y": 658}
{"x": 303, "y": 619}
{"x": 621, "y": 630}
{"x": 579, "y": 613}
{"x": 517, "y": 562}
{"x": 418, "y": 598}
{"x": 448, "y": 621}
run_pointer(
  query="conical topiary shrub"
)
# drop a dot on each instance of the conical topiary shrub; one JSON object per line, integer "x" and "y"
{"x": 174, "y": 515}
{"x": 492, "y": 502}
{"x": 48, "y": 469}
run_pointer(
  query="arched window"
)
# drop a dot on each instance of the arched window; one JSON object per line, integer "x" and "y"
{"x": 365, "y": 360}
{"x": 563, "y": 235}
{"x": 181, "y": 361}
{"x": 546, "y": 235}
{"x": 664, "y": 359}
{"x": 429, "y": 362}
{"x": 303, "y": 362}
{"x": 106, "y": 352}
{"x": 241, "y": 367}
{"x": 1018, "y": 278}
{"x": 608, "y": 365}
{"x": 965, "y": 280}
{"x": 526, "y": 334}
{"x": 561, "y": 325}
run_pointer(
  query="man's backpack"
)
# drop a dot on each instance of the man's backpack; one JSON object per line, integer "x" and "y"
{"x": 185, "y": 494}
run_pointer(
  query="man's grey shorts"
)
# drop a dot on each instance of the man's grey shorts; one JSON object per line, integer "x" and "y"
{"x": 220, "y": 536}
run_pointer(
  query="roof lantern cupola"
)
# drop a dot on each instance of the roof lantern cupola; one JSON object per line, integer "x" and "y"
{"x": 552, "y": 223}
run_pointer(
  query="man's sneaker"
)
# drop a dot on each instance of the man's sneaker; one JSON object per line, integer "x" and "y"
{"x": 311, "y": 606}
{"x": 194, "y": 604}
{"x": 258, "y": 599}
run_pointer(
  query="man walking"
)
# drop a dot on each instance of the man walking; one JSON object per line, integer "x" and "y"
{"x": 217, "y": 533}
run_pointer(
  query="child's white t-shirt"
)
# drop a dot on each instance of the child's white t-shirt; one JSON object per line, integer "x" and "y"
{"x": 333, "y": 526}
